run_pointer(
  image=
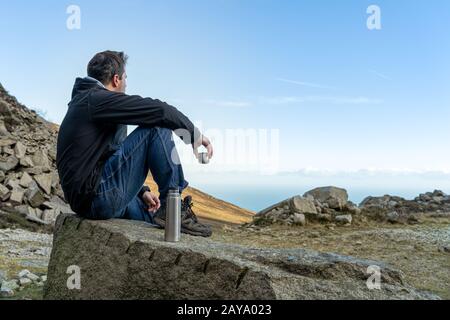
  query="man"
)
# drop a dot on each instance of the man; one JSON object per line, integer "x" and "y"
{"x": 102, "y": 171}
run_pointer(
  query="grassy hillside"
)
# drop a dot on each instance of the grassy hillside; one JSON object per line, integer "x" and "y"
{"x": 212, "y": 209}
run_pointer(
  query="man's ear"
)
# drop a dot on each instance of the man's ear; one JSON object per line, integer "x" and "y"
{"x": 116, "y": 80}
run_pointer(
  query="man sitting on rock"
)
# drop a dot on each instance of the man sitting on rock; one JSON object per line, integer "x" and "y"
{"x": 102, "y": 171}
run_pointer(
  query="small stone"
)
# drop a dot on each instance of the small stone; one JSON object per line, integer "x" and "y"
{"x": 8, "y": 163}
{"x": 34, "y": 196}
{"x": 24, "y": 281}
{"x": 6, "y": 292}
{"x": 8, "y": 151}
{"x": 393, "y": 217}
{"x": 32, "y": 277}
{"x": 4, "y": 193}
{"x": 291, "y": 258}
{"x": 26, "y": 162}
{"x": 2, "y": 176}
{"x": 12, "y": 284}
{"x": 45, "y": 182}
{"x": 16, "y": 197}
{"x": 392, "y": 203}
{"x": 3, "y": 131}
{"x": 444, "y": 249}
{"x": 26, "y": 180}
{"x": 8, "y": 287}
{"x": 344, "y": 219}
{"x": 23, "y": 273}
{"x": 2, "y": 276}
{"x": 40, "y": 159}
{"x": 12, "y": 183}
{"x": 299, "y": 218}
{"x": 315, "y": 234}
{"x": 322, "y": 217}
{"x": 50, "y": 215}
{"x": 6, "y": 142}
{"x": 44, "y": 278}
{"x": 20, "y": 150}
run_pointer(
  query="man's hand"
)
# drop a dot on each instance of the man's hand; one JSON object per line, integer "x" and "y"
{"x": 207, "y": 144}
{"x": 152, "y": 201}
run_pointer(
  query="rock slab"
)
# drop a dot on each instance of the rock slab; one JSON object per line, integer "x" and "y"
{"x": 121, "y": 259}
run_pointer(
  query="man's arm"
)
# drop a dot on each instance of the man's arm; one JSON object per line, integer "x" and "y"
{"x": 114, "y": 107}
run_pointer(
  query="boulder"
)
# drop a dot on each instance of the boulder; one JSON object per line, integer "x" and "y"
{"x": 336, "y": 198}
{"x": 122, "y": 259}
{"x": 9, "y": 163}
{"x": 299, "y": 204}
{"x": 344, "y": 219}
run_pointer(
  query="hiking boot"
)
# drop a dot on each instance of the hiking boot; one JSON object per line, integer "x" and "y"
{"x": 189, "y": 221}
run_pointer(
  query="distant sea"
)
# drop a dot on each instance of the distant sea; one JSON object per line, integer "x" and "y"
{"x": 256, "y": 192}
{"x": 257, "y": 198}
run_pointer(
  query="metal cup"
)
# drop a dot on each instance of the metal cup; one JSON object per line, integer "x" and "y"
{"x": 203, "y": 158}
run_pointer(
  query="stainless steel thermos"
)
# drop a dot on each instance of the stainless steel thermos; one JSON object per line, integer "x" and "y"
{"x": 173, "y": 217}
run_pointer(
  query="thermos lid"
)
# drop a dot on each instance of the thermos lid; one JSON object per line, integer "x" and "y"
{"x": 174, "y": 191}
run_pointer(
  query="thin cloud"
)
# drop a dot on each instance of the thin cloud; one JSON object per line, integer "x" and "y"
{"x": 305, "y": 84}
{"x": 380, "y": 75}
{"x": 321, "y": 99}
{"x": 228, "y": 103}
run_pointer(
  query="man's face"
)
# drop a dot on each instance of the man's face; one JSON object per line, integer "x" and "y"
{"x": 122, "y": 87}
{"x": 118, "y": 84}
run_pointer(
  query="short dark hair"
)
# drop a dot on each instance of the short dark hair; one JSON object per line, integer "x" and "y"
{"x": 104, "y": 65}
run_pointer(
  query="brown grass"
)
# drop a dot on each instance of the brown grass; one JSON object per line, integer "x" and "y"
{"x": 212, "y": 209}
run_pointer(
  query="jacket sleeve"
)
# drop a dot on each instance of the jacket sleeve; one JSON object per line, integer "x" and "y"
{"x": 143, "y": 190}
{"x": 119, "y": 108}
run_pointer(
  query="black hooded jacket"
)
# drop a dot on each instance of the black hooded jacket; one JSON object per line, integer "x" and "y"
{"x": 93, "y": 128}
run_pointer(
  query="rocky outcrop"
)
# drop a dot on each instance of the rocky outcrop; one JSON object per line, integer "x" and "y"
{"x": 331, "y": 205}
{"x": 326, "y": 204}
{"x": 399, "y": 210}
{"x": 29, "y": 182}
{"x": 121, "y": 259}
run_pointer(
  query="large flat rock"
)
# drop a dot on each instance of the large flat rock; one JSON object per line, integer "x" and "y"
{"x": 121, "y": 259}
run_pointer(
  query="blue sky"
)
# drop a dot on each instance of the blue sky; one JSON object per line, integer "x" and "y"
{"x": 343, "y": 98}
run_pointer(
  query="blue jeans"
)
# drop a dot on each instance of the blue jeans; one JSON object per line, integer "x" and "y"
{"x": 124, "y": 174}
